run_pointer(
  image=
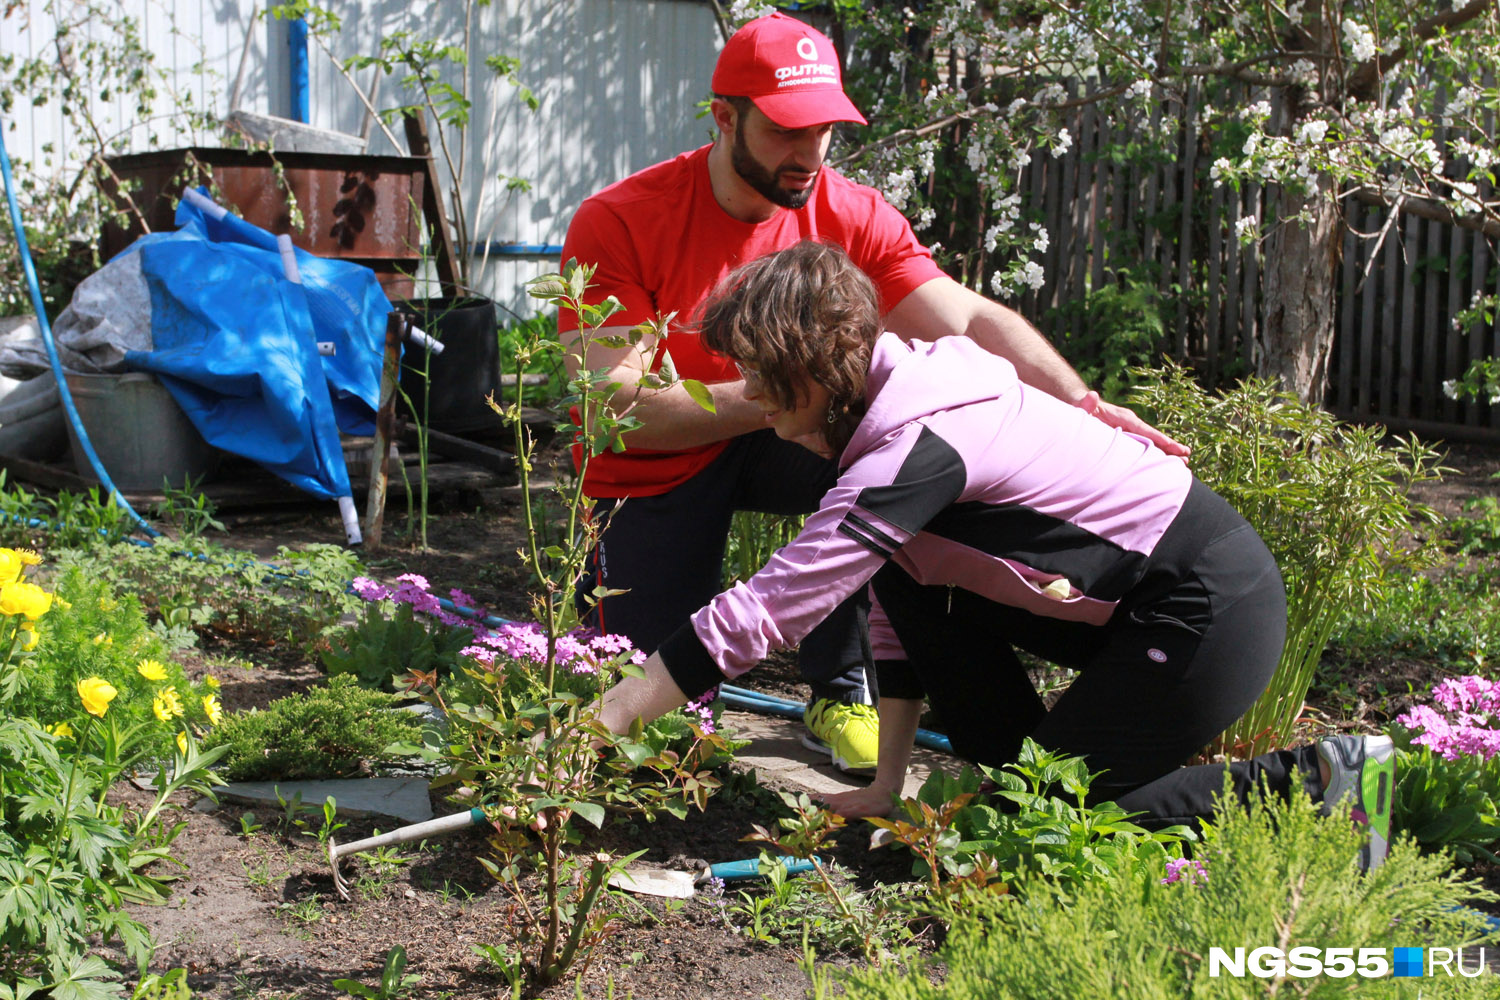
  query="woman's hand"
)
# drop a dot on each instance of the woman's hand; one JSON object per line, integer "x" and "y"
{"x": 860, "y": 803}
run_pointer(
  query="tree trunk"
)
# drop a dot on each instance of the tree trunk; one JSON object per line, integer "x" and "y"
{"x": 1301, "y": 270}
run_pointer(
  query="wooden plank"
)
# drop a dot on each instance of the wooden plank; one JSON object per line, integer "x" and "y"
{"x": 1185, "y": 227}
{"x": 1213, "y": 321}
{"x": 1234, "y": 296}
{"x": 1369, "y": 315}
{"x": 1252, "y": 309}
{"x": 1473, "y": 411}
{"x": 1453, "y": 355}
{"x": 1406, "y": 346}
{"x": 449, "y": 446}
{"x": 1099, "y": 220}
{"x": 1152, "y": 234}
{"x": 1430, "y": 404}
{"x": 1390, "y": 283}
{"x": 444, "y": 255}
{"x": 1078, "y": 265}
{"x": 1348, "y": 308}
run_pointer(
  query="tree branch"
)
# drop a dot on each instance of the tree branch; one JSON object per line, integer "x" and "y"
{"x": 1424, "y": 208}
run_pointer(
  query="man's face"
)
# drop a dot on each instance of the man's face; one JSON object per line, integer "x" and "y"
{"x": 781, "y": 164}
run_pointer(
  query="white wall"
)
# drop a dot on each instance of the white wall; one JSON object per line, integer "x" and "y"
{"x": 618, "y": 82}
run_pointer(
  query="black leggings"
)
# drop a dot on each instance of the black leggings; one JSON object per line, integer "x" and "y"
{"x": 667, "y": 551}
{"x": 1150, "y": 693}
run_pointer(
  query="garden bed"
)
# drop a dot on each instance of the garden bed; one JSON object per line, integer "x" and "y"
{"x": 255, "y": 914}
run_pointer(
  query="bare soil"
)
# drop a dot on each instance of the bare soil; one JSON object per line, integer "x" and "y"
{"x": 256, "y": 916}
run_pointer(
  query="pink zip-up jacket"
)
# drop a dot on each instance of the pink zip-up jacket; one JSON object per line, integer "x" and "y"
{"x": 965, "y": 476}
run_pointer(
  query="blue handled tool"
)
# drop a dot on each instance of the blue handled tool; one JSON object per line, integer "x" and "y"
{"x": 681, "y": 885}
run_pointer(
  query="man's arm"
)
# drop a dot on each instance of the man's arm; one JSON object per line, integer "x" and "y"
{"x": 942, "y": 307}
{"x": 671, "y": 418}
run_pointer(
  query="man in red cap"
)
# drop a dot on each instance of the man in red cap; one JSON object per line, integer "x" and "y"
{"x": 662, "y": 238}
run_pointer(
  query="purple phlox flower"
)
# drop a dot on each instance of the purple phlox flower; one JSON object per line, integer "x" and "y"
{"x": 369, "y": 589}
{"x": 1471, "y": 703}
{"x": 1185, "y": 869}
{"x": 480, "y": 653}
{"x": 464, "y": 600}
{"x": 638, "y": 657}
{"x": 701, "y": 708}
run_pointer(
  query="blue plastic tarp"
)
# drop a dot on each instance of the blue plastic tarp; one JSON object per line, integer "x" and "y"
{"x": 235, "y": 342}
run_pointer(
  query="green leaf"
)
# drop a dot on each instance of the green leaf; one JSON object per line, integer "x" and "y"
{"x": 591, "y": 812}
{"x": 700, "y": 394}
{"x": 355, "y": 988}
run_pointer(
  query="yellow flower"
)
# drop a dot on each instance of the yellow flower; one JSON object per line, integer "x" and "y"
{"x": 32, "y": 637}
{"x": 182, "y": 743}
{"x": 28, "y": 557}
{"x": 103, "y": 639}
{"x": 17, "y": 598}
{"x": 167, "y": 705}
{"x": 61, "y": 730}
{"x": 107, "y": 603}
{"x": 151, "y": 670}
{"x": 96, "y": 694}
{"x": 212, "y": 709}
{"x": 211, "y": 682}
{"x": 10, "y": 566}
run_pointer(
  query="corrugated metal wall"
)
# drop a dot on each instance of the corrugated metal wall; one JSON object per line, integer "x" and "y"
{"x": 618, "y": 82}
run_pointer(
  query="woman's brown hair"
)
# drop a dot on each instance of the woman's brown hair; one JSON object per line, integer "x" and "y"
{"x": 806, "y": 312}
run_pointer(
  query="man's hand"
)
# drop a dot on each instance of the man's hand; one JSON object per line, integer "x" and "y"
{"x": 1127, "y": 420}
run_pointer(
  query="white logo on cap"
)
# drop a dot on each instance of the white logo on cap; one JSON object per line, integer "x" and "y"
{"x": 806, "y": 49}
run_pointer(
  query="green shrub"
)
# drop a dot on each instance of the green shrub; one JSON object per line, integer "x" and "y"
{"x": 1453, "y": 618}
{"x": 91, "y": 632}
{"x": 1276, "y": 876}
{"x": 325, "y": 732}
{"x": 1330, "y": 500}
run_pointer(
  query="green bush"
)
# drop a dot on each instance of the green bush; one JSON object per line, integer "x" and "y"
{"x": 1280, "y": 876}
{"x": 325, "y": 732}
{"x": 91, "y": 632}
{"x": 1330, "y": 500}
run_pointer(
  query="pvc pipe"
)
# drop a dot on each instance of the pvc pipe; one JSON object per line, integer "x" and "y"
{"x": 424, "y": 340}
{"x": 297, "y": 43}
{"x": 64, "y": 394}
{"x": 204, "y": 204}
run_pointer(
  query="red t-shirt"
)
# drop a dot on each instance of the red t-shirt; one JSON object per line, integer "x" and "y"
{"x": 662, "y": 243}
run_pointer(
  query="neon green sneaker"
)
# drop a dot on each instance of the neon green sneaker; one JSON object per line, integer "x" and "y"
{"x": 1362, "y": 769}
{"x": 849, "y": 734}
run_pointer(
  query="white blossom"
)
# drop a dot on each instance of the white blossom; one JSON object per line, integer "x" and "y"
{"x": 1450, "y": 388}
{"x": 1221, "y": 167}
{"x": 1245, "y": 229}
{"x": 1032, "y": 275}
{"x": 1361, "y": 40}
{"x": 1064, "y": 142}
{"x": 1312, "y": 131}
{"x": 1043, "y": 238}
{"x": 1260, "y": 109}
{"x": 748, "y": 10}
{"x": 1138, "y": 89}
{"x": 924, "y": 218}
{"x": 1482, "y": 157}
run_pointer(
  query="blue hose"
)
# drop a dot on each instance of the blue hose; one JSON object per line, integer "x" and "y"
{"x": 57, "y": 369}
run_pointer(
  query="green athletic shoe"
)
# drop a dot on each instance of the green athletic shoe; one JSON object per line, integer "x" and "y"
{"x": 849, "y": 734}
{"x": 1362, "y": 769}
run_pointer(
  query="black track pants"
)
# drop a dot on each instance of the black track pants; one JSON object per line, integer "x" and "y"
{"x": 1150, "y": 692}
{"x": 668, "y": 550}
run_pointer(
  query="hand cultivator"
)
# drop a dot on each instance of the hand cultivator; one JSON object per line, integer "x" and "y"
{"x": 439, "y": 827}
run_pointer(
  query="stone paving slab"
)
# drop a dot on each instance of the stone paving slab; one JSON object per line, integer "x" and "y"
{"x": 776, "y": 749}
{"x": 405, "y": 799}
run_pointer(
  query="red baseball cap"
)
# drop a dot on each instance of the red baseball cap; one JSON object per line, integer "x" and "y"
{"x": 788, "y": 69}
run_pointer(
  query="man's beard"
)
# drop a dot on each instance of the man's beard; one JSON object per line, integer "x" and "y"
{"x": 764, "y": 181}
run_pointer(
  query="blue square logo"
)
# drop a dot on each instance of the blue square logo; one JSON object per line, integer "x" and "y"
{"x": 1408, "y": 962}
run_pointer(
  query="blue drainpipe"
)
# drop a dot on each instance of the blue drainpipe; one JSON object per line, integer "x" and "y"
{"x": 297, "y": 43}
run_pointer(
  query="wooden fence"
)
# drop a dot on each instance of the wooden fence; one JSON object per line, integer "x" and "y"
{"x": 1395, "y": 342}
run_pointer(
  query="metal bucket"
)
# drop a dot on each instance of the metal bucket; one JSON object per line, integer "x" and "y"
{"x": 140, "y": 434}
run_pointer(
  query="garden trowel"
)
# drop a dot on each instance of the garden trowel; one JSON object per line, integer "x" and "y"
{"x": 681, "y": 885}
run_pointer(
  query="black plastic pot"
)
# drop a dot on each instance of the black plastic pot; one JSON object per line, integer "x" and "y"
{"x": 463, "y": 374}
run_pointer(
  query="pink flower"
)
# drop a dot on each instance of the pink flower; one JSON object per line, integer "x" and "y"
{"x": 369, "y": 589}
{"x": 1472, "y": 704}
{"x": 1195, "y": 872}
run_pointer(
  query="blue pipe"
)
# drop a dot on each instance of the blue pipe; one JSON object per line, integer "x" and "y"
{"x": 517, "y": 249}
{"x": 27, "y": 265}
{"x": 297, "y": 42}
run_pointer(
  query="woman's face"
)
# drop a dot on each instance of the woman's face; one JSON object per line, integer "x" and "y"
{"x": 807, "y": 418}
